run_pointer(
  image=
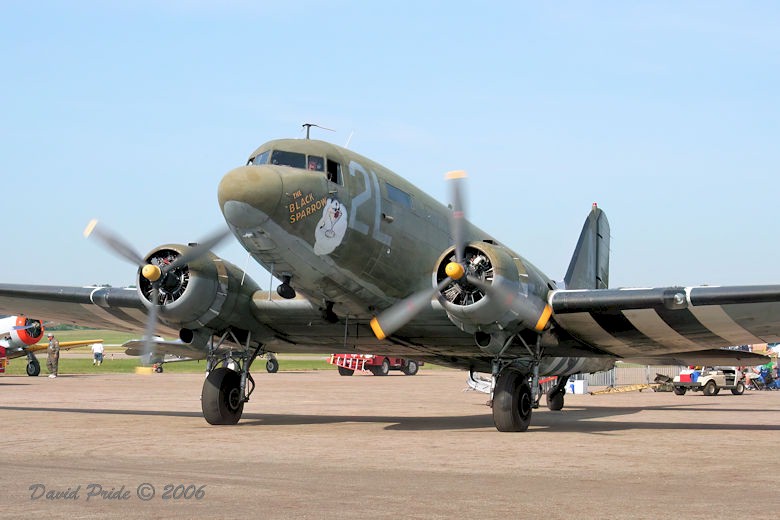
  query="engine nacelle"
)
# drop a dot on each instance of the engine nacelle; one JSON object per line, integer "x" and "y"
{"x": 207, "y": 293}
{"x": 21, "y": 331}
{"x": 516, "y": 300}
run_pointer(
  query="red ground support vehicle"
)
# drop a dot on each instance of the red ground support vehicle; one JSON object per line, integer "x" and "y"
{"x": 377, "y": 365}
{"x": 3, "y": 360}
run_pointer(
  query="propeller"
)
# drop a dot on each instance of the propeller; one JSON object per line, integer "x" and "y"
{"x": 530, "y": 309}
{"x": 151, "y": 271}
{"x": 398, "y": 315}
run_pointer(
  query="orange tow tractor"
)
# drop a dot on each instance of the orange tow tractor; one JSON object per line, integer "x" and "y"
{"x": 3, "y": 360}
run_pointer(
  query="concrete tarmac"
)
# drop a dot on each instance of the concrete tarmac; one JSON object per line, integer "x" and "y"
{"x": 316, "y": 445}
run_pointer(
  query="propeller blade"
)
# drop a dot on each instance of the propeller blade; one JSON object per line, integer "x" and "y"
{"x": 23, "y": 327}
{"x": 458, "y": 215}
{"x": 199, "y": 250}
{"x": 151, "y": 325}
{"x": 114, "y": 242}
{"x": 398, "y": 315}
{"x": 532, "y": 310}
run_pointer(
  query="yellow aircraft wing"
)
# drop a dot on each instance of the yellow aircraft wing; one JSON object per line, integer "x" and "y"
{"x": 64, "y": 345}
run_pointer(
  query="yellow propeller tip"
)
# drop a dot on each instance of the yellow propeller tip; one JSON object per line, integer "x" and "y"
{"x": 90, "y": 227}
{"x": 144, "y": 370}
{"x": 378, "y": 332}
{"x": 455, "y": 174}
{"x": 544, "y": 319}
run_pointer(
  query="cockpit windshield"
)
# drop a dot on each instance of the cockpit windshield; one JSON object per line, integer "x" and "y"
{"x": 261, "y": 158}
{"x": 316, "y": 163}
{"x": 294, "y": 159}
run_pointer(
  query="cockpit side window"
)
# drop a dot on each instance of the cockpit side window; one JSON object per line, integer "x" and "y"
{"x": 334, "y": 172}
{"x": 260, "y": 158}
{"x": 315, "y": 163}
{"x": 294, "y": 159}
{"x": 399, "y": 196}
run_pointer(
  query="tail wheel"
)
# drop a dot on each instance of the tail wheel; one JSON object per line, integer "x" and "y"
{"x": 555, "y": 400}
{"x": 272, "y": 366}
{"x": 512, "y": 403}
{"x": 221, "y": 399}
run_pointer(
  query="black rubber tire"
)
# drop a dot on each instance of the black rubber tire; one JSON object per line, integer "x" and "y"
{"x": 381, "y": 370}
{"x": 220, "y": 399}
{"x": 710, "y": 388}
{"x": 343, "y": 371}
{"x": 33, "y": 368}
{"x": 739, "y": 389}
{"x": 512, "y": 406}
{"x": 555, "y": 400}
{"x": 680, "y": 390}
{"x": 272, "y": 365}
{"x": 410, "y": 368}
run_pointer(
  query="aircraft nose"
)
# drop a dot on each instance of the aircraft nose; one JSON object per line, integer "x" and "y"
{"x": 249, "y": 195}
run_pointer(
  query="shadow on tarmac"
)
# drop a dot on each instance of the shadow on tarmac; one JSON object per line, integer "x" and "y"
{"x": 580, "y": 420}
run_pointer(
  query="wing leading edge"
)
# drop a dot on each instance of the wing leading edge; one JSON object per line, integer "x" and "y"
{"x": 669, "y": 322}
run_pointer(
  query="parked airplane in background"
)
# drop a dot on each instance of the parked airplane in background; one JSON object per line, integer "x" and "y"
{"x": 369, "y": 263}
{"x": 21, "y": 336}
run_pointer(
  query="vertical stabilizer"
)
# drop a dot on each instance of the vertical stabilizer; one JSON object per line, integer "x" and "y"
{"x": 589, "y": 267}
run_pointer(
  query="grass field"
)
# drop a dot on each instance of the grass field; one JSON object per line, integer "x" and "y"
{"x": 84, "y": 366}
{"x": 79, "y": 361}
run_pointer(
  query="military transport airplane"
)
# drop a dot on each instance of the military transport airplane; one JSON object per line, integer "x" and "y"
{"x": 21, "y": 336}
{"x": 369, "y": 263}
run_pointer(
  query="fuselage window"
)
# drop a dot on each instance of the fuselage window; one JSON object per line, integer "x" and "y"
{"x": 399, "y": 196}
{"x": 334, "y": 172}
{"x": 315, "y": 163}
{"x": 282, "y": 158}
{"x": 260, "y": 158}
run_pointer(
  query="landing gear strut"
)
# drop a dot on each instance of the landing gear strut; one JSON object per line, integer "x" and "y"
{"x": 513, "y": 398}
{"x": 225, "y": 389}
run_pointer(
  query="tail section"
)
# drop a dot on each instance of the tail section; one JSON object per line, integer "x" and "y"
{"x": 589, "y": 267}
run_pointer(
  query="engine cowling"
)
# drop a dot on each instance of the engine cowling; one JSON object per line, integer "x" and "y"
{"x": 22, "y": 331}
{"x": 207, "y": 293}
{"x": 516, "y": 300}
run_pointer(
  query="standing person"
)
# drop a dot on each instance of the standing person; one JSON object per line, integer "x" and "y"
{"x": 53, "y": 360}
{"x": 97, "y": 354}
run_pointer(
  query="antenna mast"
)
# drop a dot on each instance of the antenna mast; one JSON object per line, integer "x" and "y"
{"x": 308, "y": 126}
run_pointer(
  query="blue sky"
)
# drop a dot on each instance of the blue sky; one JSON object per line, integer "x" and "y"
{"x": 665, "y": 113}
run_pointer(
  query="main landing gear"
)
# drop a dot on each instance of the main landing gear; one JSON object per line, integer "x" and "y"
{"x": 33, "y": 366}
{"x": 225, "y": 388}
{"x": 516, "y": 390}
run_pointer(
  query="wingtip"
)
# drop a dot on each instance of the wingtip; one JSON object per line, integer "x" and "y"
{"x": 378, "y": 332}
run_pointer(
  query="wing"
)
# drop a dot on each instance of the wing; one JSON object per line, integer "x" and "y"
{"x": 670, "y": 323}
{"x": 113, "y": 308}
{"x": 64, "y": 345}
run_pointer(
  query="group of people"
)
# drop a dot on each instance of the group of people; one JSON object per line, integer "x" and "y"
{"x": 53, "y": 355}
{"x": 764, "y": 377}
